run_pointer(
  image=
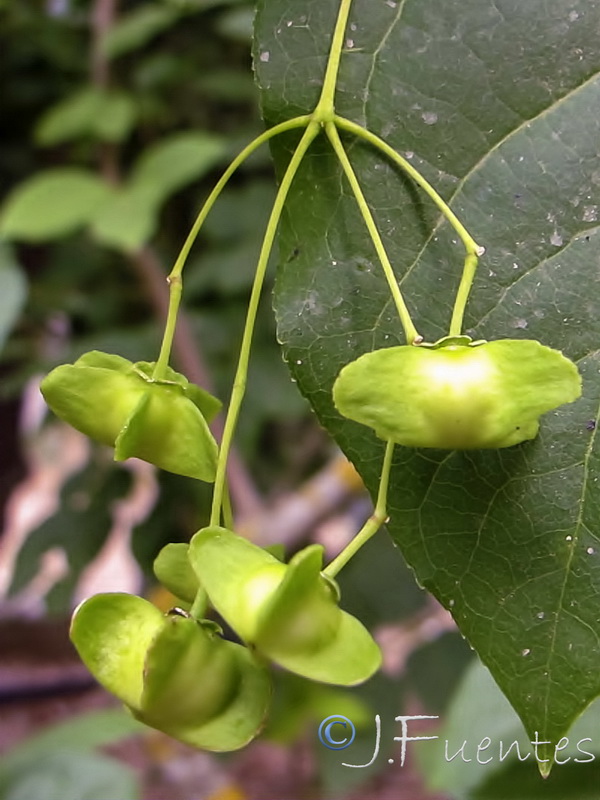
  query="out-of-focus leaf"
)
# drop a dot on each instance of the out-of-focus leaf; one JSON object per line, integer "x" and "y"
{"x": 158, "y": 71}
{"x": 434, "y": 686}
{"x": 236, "y": 24}
{"x": 13, "y": 290}
{"x": 116, "y": 116}
{"x": 176, "y": 161}
{"x": 480, "y": 710}
{"x": 93, "y": 729}
{"x": 234, "y": 229}
{"x": 73, "y": 775}
{"x": 383, "y": 695}
{"x": 52, "y": 204}
{"x": 137, "y": 28}
{"x": 129, "y": 219}
{"x": 38, "y": 767}
{"x": 299, "y": 702}
{"x": 107, "y": 115}
{"x": 227, "y": 85}
{"x": 519, "y": 782}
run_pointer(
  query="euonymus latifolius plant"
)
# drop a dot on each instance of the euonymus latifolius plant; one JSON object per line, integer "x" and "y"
{"x": 455, "y": 395}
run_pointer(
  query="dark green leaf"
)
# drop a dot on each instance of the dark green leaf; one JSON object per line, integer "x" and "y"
{"x": 495, "y": 103}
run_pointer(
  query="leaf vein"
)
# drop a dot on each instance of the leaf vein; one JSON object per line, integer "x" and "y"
{"x": 472, "y": 170}
{"x": 576, "y": 530}
{"x": 378, "y": 49}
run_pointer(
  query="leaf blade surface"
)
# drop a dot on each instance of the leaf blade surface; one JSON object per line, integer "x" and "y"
{"x": 493, "y": 102}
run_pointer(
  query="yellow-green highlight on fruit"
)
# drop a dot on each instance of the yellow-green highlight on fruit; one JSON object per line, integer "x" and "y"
{"x": 173, "y": 673}
{"x": 457, "y": 394}
{"x": 287, "y": 612}
{"x": 120, "y": 404}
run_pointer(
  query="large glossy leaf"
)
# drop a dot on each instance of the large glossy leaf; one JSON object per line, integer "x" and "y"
{"x": 496, "y": 103}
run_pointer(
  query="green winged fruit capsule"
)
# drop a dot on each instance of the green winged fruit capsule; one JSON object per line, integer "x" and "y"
{"x": 173, "y": 673}
{"x": 173, "y": 569}
{"x": 120, "y": 404}
{"x": 457, "y": 394}
{"x": 288, "y": 612}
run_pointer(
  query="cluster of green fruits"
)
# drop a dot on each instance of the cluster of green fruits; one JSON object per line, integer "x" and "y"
{"x": 175, "y": 671}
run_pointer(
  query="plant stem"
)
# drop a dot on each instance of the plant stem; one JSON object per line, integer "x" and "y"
{"x": 288, "y": 125}
{"x": 473, "y": 249}
{"x": 174, "y": 278}
{"x": 409, "y": 329}
{"x": 227, "y": 509}
{"x": 175, "y": 289}
{"x": 239, "y": 384}
{"x": 324, "y": 110}
{"x": 375, "y": 521}
{"x": 462, "y": 295}
{"x": 322, "y": 114}
{"x": 200, "y": 604}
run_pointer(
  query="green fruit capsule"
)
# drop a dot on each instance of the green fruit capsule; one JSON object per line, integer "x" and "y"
{"x": 173, "y": 673}
{"x": 457, "y": 394}
{"x": 288, "y": 612}
{"x": 173, "y": 569}
{"x": 120, "y": 404}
